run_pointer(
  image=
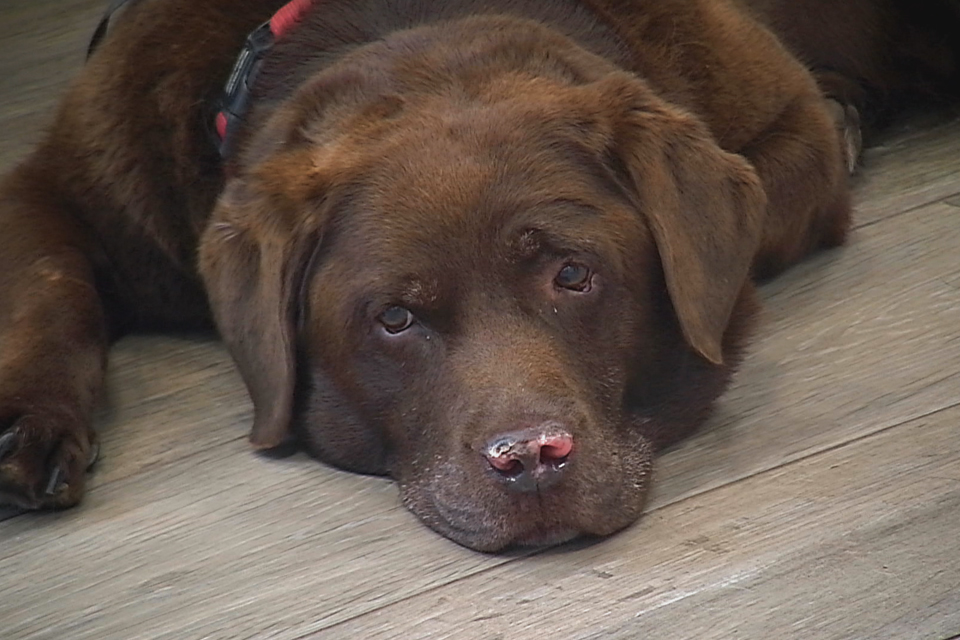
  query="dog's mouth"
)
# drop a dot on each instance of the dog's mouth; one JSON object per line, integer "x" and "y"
{"x": 602, "y": 494}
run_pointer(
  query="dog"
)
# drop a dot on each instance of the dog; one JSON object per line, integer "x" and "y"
{"x": 503, "y": 251}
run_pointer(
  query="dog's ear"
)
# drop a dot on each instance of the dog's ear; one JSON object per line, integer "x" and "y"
{"x": 705, "y": 207}
{"x": 254, "y": 257}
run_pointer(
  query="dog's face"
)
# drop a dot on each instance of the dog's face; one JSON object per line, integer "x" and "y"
{"x": 481, "y": 287}
{"x": 507, "y": 301}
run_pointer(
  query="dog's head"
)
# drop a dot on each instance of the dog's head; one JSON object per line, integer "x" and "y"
{"x": 504, "y": 286}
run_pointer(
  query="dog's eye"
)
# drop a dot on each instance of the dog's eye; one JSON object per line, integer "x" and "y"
{"x": 573, "y": 276}
{"x": 396, "y": 319}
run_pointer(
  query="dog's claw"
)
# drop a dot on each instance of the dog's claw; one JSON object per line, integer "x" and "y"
{"x": 847, "y": 120}
{"x": 56, "y": 481}
{"x": 7, "y": 441}
{"x": 42, "y": 462}
{"x": 852, "y": 137}
{"x": 94, "y": 454}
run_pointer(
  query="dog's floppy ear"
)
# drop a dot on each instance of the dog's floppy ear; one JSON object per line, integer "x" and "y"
{"x": 254, "y": 257}
{"x": 705, "y": 207}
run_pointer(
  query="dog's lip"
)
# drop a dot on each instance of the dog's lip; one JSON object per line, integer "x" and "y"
{"x": 468, "y": 525}
{"x": 471, "y": 525}
{"x": 547, "y": 538}
{"x": 485, "y": 536}
{"x": 491, "y": 540}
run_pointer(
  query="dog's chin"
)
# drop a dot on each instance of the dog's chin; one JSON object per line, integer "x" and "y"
{"x": 547, "y": 538}
{"x": 495, "y": 539}
{"x": 498, "y": 535}
{"x": 497, "y": 520}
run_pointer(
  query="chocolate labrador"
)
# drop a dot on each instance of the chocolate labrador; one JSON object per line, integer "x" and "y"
{"x": 501, "y": 250}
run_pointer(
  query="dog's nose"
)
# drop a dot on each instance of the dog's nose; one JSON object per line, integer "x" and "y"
{"x": 530, "y": 460}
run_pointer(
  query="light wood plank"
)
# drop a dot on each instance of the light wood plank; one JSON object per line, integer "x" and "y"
{"x": 858, "y": 542}
{"x": 909, "y": 170}
{"x": 44, "y": 44}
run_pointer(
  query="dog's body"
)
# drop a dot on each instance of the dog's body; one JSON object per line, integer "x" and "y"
{"x": 500, "y": 249}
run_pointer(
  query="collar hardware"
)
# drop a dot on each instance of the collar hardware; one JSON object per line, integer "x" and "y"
{"x": 235, "y": 100}
{"x": 236, "y": 93}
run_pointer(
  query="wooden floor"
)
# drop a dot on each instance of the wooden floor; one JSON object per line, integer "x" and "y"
{"x": 823, "y": 501}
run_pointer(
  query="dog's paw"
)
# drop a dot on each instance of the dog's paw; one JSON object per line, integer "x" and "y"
{"x": 847, "y": 120}
{"x": 44, "y": 457}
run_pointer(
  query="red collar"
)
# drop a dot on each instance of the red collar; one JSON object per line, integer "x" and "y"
{"x": 236, "y": 93}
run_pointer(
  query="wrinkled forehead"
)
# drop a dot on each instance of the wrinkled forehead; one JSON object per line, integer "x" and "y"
{"x": 476, "y": 185}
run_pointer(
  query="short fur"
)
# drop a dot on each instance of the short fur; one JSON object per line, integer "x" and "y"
{"x": 450, "y": 158}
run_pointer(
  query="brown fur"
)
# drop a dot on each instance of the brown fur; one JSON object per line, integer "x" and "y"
{"x": 449, "y": 158}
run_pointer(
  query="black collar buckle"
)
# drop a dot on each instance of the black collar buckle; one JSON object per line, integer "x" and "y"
{"x": 236, "y": 93}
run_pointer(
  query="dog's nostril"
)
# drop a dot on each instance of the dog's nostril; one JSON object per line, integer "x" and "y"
{"x": 506, "y": 466}
{"x": 555, "y": 450}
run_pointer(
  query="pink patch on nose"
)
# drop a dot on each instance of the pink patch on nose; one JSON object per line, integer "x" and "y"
{"x": 505, "y": 463}
{"x": 555, "y": 448}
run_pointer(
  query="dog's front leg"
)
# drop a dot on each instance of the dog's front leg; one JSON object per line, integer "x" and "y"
{"x": 804, "y": 164}
{"x": 53, "y": 342}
